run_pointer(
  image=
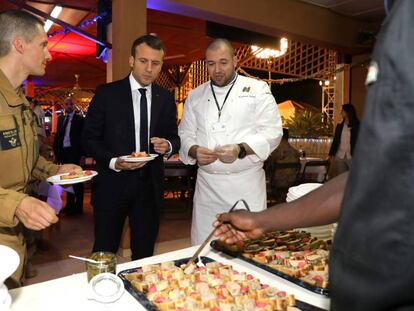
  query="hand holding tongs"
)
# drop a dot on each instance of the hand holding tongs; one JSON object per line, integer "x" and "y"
{"x": 198, "y": 251}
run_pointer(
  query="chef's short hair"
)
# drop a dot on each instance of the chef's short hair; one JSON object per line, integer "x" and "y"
{"x": 218, "y": 43}
{"x": 17, "y": 23}
{"x": 150, "y": 40}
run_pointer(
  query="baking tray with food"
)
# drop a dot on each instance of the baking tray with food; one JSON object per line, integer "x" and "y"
{"x": 208, "y": 284}
{"x": 292, "y": 255}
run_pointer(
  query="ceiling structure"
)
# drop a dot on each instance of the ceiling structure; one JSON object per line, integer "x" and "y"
{"x": 365, "y": 10}
{"x": 185, "y": 37}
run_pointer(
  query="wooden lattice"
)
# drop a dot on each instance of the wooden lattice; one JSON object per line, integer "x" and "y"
{"x": 56, "y": 96}
{"x": 165, "y": 80}
{"x": 301, "y": 61}
{"x": 195, "y": 75}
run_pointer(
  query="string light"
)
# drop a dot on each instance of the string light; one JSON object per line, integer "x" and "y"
{"x": 321, "y": 140}
{"x": 270, "y": 53}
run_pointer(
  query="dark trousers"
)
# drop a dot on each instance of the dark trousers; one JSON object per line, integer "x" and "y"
{"x": 137, "y": 201}
{"x": 74, "y": 201}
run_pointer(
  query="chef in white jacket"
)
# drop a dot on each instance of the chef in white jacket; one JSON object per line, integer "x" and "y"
{"x": 230, "y": 125}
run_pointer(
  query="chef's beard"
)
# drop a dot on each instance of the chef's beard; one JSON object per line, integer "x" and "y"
{"x": 229, "y": 81}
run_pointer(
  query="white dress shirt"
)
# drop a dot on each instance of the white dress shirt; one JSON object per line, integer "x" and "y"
{"x": 136, "y": 99}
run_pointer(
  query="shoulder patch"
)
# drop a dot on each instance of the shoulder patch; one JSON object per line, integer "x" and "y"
{"x": 9, "y": 139}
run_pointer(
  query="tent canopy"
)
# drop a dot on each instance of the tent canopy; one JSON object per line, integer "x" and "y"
{"x": 288, "y": 108}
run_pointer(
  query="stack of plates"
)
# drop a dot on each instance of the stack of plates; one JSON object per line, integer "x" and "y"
{"x": 298, "y": 191}
{"x": 320, "y": 232}
{"x": 9, "y": 263}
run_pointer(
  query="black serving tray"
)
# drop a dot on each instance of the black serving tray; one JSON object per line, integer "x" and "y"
{"x": 142, "y": 299}
{"x": 313, "y": 288}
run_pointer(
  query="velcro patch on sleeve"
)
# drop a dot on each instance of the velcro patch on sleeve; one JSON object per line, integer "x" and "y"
{"x": 9, "y": 139}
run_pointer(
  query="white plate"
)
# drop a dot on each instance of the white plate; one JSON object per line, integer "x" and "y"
{"x": 9, "y": 262}
{"x": 303, "y": 189}
{"x": 127, "y": 158}
{"x": 57, "y": 181}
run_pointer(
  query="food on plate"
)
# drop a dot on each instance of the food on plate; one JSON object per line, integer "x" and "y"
{"x": 215, "y": 286}
{"x": 141, "y": 154}
{"x": 75, "y": 174}
{"x": 293, "y": 253}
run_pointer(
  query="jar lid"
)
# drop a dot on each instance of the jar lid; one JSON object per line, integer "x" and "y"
{"x": 106, "y": 287}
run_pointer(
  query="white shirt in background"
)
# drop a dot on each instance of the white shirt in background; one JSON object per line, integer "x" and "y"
{"x": 344, "y": 150}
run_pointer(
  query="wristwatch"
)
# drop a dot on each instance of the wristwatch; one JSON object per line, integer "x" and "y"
{"x": 242, "y": 153}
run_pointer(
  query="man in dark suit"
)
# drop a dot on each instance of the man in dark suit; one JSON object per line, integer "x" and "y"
{"x": 68, "y": 149}
{"x": 125, "y": 116}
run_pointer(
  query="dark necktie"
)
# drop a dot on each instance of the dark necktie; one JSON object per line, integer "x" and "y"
{"x": 143, "y": 130}
{"x": 65, "y": 124}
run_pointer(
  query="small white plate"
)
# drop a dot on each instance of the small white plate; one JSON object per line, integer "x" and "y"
{"x": 9, "y": 262}
{"x": 127, "y": 158}
{"x": 57, "y": 181}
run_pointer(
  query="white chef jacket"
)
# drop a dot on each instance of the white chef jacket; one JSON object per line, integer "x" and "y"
{"x": 250, "y": 115}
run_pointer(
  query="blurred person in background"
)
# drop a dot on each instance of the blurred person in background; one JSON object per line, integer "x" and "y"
{"x": 280, "y": 179}
{"x": 344, "y": 141}
{"x": 68, "y": 149}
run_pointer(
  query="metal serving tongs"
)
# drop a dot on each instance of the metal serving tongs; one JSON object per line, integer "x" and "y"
{"x": 198, "y": 251}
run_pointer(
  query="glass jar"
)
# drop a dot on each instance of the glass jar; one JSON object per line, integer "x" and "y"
{"x": 105, "y": 262}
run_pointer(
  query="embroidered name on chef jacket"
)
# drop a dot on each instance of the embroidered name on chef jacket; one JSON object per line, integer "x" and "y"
{"x": 246, "y": 93}
{"x": 9, "y": 139}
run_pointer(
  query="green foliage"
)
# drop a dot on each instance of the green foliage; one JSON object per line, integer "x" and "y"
{"x": 307, "y": 123}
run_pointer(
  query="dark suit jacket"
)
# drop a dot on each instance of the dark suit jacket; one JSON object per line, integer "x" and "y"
{"x": 110, "y": 132}
{"x": 75, "y": 137}
{"x": 337, "y": 138}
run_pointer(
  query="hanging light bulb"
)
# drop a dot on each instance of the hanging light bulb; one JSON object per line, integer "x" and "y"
{"x": 270, "y": 53}
{"x": 55, "y": 13}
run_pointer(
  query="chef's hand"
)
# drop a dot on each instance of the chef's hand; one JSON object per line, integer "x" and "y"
{"x": 121, "y": 164}
{"x": 161, "y": 145}
{"x": 227, "y": 153}
{"x": 237, "y": 226}
{"x": 203, "y": 155}
{"x": 67, "y": 168}
{"x": 35, "y": 214}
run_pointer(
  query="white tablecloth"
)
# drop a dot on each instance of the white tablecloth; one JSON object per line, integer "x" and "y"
{"x": 70, "y": 293}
